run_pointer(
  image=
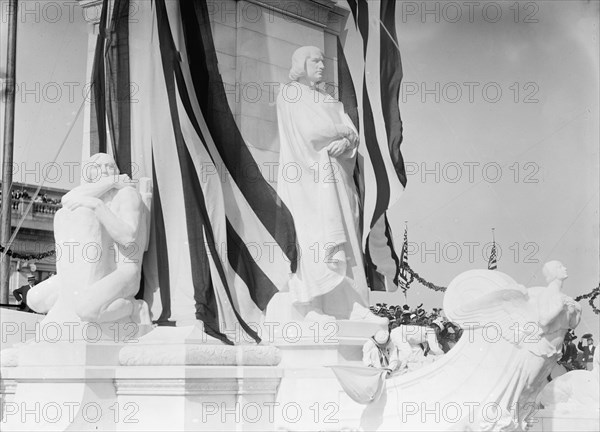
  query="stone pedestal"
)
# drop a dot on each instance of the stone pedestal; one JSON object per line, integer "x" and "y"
{"x": 60, "y": 399}
{"x": 171, "y": 379}
{"x": 17, "y": 326}
{"x": 581, "y": 420}
{"x": 310, "y": 396}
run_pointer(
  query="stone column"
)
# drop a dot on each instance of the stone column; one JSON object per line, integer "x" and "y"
{"x": 91, "y": 12}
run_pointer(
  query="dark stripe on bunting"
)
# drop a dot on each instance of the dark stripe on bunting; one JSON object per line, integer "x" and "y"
{"x": 383, "y": 183}
{"x": 98, "y": 111}
{"x": 363, "y": 23}
{"x": 352, "y": 4}
{"x": 347, "y": 92}
{"x": 198, "y": 222}
{"x": 261, "y": 288}
{"x": 375, "y": 279}
{"x": 141, "y": 290}
{"x": 390, "y": 242}
{"x": 162, "y": 252}
{"x": 210, "y": 92}
{"x": 204, "y": 296}
{"x": 118, "y": 85}
{"x": 391, "y": 77}
{"x": 204, "y": 213}
{"x": 202, "y": 205}
{"x": 360, "y": 15}
{"x": 347, "y": 96}
{"x": 359, "y": 183}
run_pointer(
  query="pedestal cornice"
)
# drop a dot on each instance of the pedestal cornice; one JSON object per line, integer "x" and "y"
{"x": 91, "y": 10}
{"x": 327, "y": 14}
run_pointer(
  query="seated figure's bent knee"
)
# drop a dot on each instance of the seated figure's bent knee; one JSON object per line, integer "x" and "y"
{"x": 117, "y": 309}
{"x": 87, "y": 312}
{"x": 40, "y": 301}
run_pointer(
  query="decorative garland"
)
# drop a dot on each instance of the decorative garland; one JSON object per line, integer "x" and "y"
{"x": 591, "y": 296}
{"x": 415, "y": 275}
{"x": 28, "y": 257}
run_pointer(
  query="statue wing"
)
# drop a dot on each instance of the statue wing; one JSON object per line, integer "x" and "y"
{"x": 492, "y": 300}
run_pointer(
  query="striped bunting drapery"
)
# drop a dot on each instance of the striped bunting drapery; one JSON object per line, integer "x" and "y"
{"x": 369, "y": 85}
{"x": 110, "y": 88}
{"x": 208, "y": 204}
{"x": 176, "y": 126}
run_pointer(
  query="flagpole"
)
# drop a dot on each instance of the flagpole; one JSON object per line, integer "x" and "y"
{"x": 9, "y": 133}
{"x": 404, "y": 260}
{"x": 405, "y": 230}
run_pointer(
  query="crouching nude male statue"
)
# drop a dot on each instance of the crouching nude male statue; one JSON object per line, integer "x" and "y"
{"x": 319, "y": 141}
{"x": 101, "y": 234}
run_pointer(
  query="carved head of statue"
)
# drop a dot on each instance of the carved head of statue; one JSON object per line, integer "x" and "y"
{"x": 381, "y": 337}
{"x": 307, "y": 62}
{"x": 98, "y": 166}
{"x": 554, "y": 270}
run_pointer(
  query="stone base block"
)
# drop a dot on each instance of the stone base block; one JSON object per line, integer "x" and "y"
{"x": 18, "y": 326}
{"x": 71, "y": 398}
{"x": 198, "y": 398}
{"x": 314, "y": 344}
{"x": 64, "y": 353}
{"x": 141, "y": 398}
{"x": 172, "y": 379}
{"x": 549, "y": 421}
{"x": 171, "y": 346}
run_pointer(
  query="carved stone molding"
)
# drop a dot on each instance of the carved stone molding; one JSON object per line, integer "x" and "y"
{"x": 311, "y": 11}
{"x": 9, "y": 357}
{"x": 196, "y": 386}
{"x": 8, "y": 386}
{"x": 257, "y": 386}
{"x": 322, "y": 13}
{"x": 91, "y": 10}
{"x": 199, "y": 354}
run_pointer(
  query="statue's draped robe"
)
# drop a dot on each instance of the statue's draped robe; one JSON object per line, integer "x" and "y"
{"x": 319, "y": 191}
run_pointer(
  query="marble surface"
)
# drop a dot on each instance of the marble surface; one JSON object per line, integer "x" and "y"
{"x": 101, "y": 234}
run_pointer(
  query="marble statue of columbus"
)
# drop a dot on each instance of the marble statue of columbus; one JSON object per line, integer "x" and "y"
{"x": 318, "y": 149}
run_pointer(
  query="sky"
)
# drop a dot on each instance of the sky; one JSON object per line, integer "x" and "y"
{"x": 51, "y": 80}
{"x": 524, "y": 162}
{"x": 500, "y": 111}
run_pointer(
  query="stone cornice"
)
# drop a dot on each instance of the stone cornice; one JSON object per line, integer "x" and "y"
{"x": 327, "y": 14}
{"x": 196, "y": 386}
{"x": 8, "y": 386}
{"x": 199, "y": 354}
{"x": 91, "y": 10}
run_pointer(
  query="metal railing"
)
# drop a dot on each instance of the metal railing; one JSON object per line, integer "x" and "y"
{"x": 39, "y": 208}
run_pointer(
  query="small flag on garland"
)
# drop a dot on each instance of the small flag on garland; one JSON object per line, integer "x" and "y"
{"x": 404, "y": 278}
{"x": 493, "y": 260}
